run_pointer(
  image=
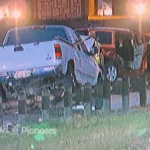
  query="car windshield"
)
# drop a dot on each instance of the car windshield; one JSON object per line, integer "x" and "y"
{"x": 104, "y": 37}
{"x": 33, "y": 35}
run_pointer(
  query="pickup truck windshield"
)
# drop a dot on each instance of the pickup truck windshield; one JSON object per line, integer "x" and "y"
{"x": 33, "y": 35}
{"x": 104, "y": 37}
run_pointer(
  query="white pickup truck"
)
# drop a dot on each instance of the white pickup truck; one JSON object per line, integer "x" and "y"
{"x": 36, "y": 56}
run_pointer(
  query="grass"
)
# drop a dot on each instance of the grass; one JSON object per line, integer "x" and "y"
{"x": 104, "y": 132}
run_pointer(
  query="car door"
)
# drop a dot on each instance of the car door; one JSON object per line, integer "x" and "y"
{"x": 89, "y": 67}
{"x": 125, "y": 48}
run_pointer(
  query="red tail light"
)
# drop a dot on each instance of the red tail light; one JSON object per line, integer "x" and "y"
{"x": 58, "y": 52}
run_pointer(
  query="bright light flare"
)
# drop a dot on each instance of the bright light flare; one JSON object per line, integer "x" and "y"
{"x": 140, "y": 8}
{"x": 16, "y": 14}
{"x": 1, "y": 15}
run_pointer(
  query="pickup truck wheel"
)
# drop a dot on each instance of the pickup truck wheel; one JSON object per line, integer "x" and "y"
{"x": 111, "y": 72}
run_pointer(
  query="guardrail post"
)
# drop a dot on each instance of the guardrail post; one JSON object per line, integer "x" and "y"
{"x": 98, "y": 95}
{"x": 68, "y": 102}
{"x": 125, "y": 93}
{"x": 22, "y": 107}
{"x": 45, "y": 104}
{"x": 106, "y": 97}
{"x": 1, "y": 113}
{"x": 87, "y": 99}
{"x": 79, "y": 95}
{"x": 82, "y": 94}
{"x": 1, "y": 109}
{"x": 143, "y": 90}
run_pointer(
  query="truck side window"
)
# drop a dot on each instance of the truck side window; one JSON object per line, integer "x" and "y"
{"x": 105, "y": 37}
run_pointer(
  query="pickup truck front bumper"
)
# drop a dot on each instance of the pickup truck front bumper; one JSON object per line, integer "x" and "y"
{"x": 50, "y": 71}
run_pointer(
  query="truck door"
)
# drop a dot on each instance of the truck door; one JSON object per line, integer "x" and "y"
{"x": 89, "y": 67}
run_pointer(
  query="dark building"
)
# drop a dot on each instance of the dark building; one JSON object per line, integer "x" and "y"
{"x": 74, "y": 13}
{"x": 58, "y": 9}
{"x": 81, "y": 13}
